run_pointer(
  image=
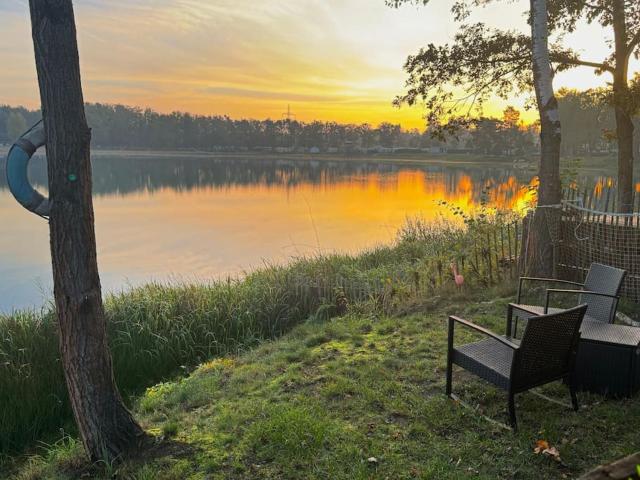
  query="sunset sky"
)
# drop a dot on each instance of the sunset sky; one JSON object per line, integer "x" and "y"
{"x": 330, "y": 59}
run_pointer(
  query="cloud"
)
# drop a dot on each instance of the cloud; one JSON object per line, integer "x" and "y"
{"x": 331, "y": 59}
{"x": 260, "y": 94}
{"x": 14, "y": 6}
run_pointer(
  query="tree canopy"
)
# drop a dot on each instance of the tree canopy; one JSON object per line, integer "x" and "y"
{"x": 455, "y": 79}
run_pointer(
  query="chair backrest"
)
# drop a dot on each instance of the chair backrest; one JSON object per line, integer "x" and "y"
{"x": 548, "y": 348}
{"x": 602, "y": 279}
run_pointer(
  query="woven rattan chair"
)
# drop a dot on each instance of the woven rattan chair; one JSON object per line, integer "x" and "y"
{"x": 546, "y": 353}
{"x": 600, "y": 292}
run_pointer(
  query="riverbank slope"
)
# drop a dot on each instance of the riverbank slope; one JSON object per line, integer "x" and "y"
{"x": 358, "y": 397}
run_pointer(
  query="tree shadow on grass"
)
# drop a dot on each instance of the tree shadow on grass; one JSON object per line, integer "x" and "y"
{"x": 149, "y": 450}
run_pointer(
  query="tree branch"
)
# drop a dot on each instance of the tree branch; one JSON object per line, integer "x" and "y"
{"x": 597, "y": 8}
{"x": 635, "y": 41}
{"x": 568, "y": 60}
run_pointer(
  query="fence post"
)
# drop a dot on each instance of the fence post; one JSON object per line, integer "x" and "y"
{"x": 526, "y": 221}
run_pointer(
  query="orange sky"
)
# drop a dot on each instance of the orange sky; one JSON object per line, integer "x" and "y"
{"x": 330, "y": 59}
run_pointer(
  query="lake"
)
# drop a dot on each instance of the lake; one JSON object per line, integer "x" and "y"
{"x": 171, "y": 217}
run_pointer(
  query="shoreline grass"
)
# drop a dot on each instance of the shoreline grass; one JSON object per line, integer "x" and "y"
{"x": 329, "y": 367}
{"x": 157, "y": 332}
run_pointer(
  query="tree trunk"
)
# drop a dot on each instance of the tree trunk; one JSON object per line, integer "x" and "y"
{"x": 624, "y": 133}
{"x": 621, "y": 100}
{"x": 106, "y": 427}
{"x": 539, "y": 261}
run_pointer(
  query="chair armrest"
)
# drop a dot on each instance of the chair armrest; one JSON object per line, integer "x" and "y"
{"x": 453, "y": 320}
{"x": 545, "y": 280}
{"x": 551, "y": 291}
{"x": 523, "y": 308}
{"x": 539, "y": 279}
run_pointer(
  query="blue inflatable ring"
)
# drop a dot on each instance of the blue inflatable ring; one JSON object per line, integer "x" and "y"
{"x": 17, "y": 167}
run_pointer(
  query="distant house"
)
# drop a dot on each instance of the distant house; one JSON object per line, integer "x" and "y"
{"x": 284, "y": 149}
{"x": 405, "y": 150}
{"x": 435, "y": 149}
{"x": 381, "y": 149}
{"x": 314, "y": 150}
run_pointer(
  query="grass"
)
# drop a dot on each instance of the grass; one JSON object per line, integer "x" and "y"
{"x": 330, "y": 367}
{"x": 357, "y": 397}
{"x": 159, "y": 331}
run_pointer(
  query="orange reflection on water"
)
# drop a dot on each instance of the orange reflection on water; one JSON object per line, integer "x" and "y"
{"x": 240, "y": 225}
{"x": 512, "y": 195}
{"x": 210, "y": 231}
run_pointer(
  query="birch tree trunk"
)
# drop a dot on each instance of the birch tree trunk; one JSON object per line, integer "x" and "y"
{"x": 539, "y": 254}
{"x": 621, "y": 101}
{"x": 106, "y": 427}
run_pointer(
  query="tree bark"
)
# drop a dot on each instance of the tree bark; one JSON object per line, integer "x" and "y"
{"x": 106, "y": 427}
{"x": 624, "y": 133}
{"x": 624, "y": 468}
{"x": 621, "y": 101}
{"x": 539, "y": 261}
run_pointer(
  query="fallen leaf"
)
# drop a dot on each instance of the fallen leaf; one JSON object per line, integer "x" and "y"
{"x": 552, "y": 452}
{"x": 541, "y": 445}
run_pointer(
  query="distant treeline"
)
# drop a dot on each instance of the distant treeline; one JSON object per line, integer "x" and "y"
{"x": 122, "y": 127}
{"x": 586, "y": 127}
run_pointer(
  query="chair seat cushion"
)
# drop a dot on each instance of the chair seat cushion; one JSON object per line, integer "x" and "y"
{"x": 489, "y": 359}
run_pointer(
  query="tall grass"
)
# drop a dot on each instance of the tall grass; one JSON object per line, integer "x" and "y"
{"x": 158, "y": 329}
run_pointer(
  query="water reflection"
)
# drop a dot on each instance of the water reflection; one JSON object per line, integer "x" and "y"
{"x": 162, "y": 217}
{"x": 125, "y": 174}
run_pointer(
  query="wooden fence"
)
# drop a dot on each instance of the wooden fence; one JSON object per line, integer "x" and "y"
{"x": 490, "y": 255}
{"x": 600, "y": 198}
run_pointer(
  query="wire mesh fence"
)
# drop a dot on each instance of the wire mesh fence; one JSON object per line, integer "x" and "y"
{"x": 588, "y": 236}
{"x": 586, "y": 228}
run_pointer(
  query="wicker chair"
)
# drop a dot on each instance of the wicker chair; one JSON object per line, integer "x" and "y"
{"x": 600, "y": 292}
{"x": 546, "y": 353}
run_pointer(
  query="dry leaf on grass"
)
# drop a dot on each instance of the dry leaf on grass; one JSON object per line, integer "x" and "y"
{"x": 542, "y": 446}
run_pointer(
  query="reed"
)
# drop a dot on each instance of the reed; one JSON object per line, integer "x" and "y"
{"x": 160, "y": 330}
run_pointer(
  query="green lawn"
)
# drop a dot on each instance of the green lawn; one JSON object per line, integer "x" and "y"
{"x": 357, "y": 397}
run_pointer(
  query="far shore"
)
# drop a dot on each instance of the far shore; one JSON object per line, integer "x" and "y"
{"x": 601, "y": 164}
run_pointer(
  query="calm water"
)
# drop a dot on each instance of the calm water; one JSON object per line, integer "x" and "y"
{"x": 176, "y": 218}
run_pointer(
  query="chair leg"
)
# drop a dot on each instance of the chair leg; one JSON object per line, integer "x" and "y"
{"x": 509, "y": 320}
{"x": 449, "y": 357}
{"x": 449, "y": 376}
{"x": 512, "y": 412}
{"x": 574, "y": 397}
